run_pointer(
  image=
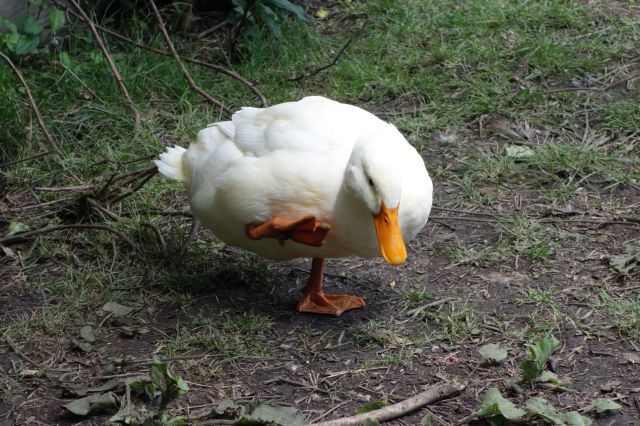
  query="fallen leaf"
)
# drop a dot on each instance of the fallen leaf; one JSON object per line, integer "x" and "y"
{"x": 542, "y": 408}
{"x": 116, "y": 309}
{"x": 625, "y": 263}
{"x": 92, "y": 403}
{"x": 83, "y": 346}
{"x": 283, "y": 416}
{"x": 86, "y": 333}
{"x": 553, "y": 381}
{"x": 494, "y": 404}
{"x": 322, "y": 13}
{"x": 611, "y": 386}
{"x": 519, "y": 152}
{"x": 603, "y": 405}
{"x": 16, "y": 227}
{"x": 492, "y": 353}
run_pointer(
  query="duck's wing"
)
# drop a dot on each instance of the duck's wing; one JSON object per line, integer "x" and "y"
{"x": 311, "y": 124}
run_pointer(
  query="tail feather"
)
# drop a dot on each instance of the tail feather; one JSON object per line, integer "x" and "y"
{"x": 171, "y": 164}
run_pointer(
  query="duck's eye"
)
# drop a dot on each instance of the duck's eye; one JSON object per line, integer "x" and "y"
{"x": 370, "y": 182}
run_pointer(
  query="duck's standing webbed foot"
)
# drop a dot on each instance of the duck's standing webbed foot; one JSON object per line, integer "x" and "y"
{"x": 306, "y": 230}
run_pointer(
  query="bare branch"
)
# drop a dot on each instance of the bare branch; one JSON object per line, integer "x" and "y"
{"x": 218, "y": 68}
{"x": 32, "y": 102}
{"x": 318, "y": 70}
{"x": 185, "y": 72}
{"x": 431, "y": 395}
{"x": 107, "y": 56}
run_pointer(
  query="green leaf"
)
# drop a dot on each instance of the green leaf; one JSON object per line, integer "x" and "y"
{"x": 65, "y": 59}
{"x": 495, "y": 405}
{"x": 542, "y": 408}
{"x": 16, "y": 227}
{"x": 492, "y": 353}
{"x": 603, "y": 405}
{"x": 10, "y": 25}
{"x": 260, "y": 413}
{"x": 553, "y": 380}
{"x": 28, "y": 25}
{"x": 374, "y": 405}
{"x": 86, "y": 333}
{"x": 117, "y": 309}
{"x": 170, "y": 387}
{"x": 298, "y": 11}
{"x": 26, "y": 44}
{"x": 56, "y": 19}
{"x": 519, "y": 152}
{"x": 92, "y": 403}
{"x": 83, "y": 346}
{"x": 538, "y": 353}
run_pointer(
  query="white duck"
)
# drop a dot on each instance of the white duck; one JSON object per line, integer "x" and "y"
{"x": 314, "y": 178}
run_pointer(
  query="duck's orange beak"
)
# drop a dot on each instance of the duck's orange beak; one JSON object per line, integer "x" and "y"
{"x": 389, "y": 235}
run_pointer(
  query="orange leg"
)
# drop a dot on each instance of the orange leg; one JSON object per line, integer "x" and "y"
{"x": 316, "y": 301}
{"x": 306, "y": 230}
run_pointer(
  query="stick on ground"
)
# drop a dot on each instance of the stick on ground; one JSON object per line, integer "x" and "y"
{"x": 431, "y": 395}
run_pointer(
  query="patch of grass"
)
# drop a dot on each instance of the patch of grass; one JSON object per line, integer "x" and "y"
{"x": 224, "y": 338}
{"x": 415, "y": 298}
{"x": 452, "y": 322}
{"x": 529, "y": 239}
{"x": 620, "y": 314}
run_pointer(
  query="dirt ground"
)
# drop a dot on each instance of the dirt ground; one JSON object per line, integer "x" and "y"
{"x": 501, "y": 260}
{"x": 327, "y": 367}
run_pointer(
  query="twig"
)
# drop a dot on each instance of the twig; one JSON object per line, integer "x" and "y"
{"x": 50, "y": 229}
{"x": 155, "y": 229}
{"x": 31, "y": 157}
{"x": 150, "y": 173}
{"x": 96, "y": 205}
{"x": 183, "y": 68}
{"x": 195, "y": 227}
{"x": 399, "y": 409}
{"x": 219, "y": 68}
{"x": 593, "y": 89}
{"x": 16, "y": 350}
{"x": 78, "y": 188}
{"x": 32, "y": 102}
{"x": 318, "y": 70}
{"x": 419, "y": 309}
{"x": 107, "y": 56}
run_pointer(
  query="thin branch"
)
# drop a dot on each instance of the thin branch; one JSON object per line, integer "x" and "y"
{"x": 219, "y": 68}
{"x": 31, "y": 157}
{"x": 107, "y": 56}
{"x": 399, "y": 409}
{"x": 318, "y": 70}
{"x": 151, "y": 173}
{"x": 195, "y": 228}
{"x": 32, "y": 102}
{"x": 50, "y": 229}
{"x": 183, "y": 68}
{"x": 78, "y": 188}
{"x": 594, "y": 89}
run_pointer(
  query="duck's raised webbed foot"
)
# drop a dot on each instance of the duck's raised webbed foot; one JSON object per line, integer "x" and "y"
{"x": 306, "y": 230}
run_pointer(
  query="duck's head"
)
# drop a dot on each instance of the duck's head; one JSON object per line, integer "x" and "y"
{"x": 374, "y": 175}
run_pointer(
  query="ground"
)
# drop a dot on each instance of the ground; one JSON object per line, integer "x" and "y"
{"x": 527, "y": 117}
